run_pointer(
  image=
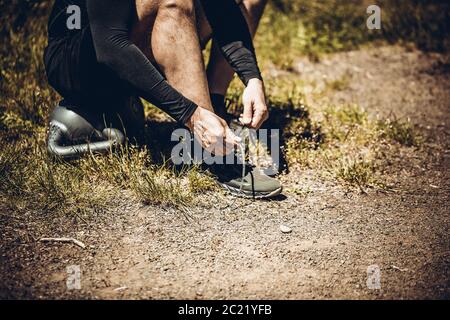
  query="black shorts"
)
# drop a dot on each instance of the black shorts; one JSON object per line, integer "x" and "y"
{"x": 73, "y": 71}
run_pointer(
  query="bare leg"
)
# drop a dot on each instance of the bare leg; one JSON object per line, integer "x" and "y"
{"x": 167, "y": 32}
{"x": 173, "y": 43}
{"x": 219, "y": 71}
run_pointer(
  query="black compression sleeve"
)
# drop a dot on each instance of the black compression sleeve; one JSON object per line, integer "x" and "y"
{"x": 109, "y": 22}
{"x": 231, "y": 31}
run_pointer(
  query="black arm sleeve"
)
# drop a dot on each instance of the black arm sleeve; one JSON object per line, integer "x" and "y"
{"x": 109, "y": 22}
{"x": 231, "y": 31}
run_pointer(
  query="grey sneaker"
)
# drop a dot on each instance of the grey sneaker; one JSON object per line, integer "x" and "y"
{"x": 243, "y": 181}
{"x": 250, "y": 183}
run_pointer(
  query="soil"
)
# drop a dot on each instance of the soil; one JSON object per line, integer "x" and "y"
{"x": 239, "y": 252}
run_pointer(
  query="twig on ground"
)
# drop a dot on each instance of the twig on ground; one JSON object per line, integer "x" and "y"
{"x": 399, "y": 269}
{"x": 121, "y": 289}
{"x": 66, "y": 240}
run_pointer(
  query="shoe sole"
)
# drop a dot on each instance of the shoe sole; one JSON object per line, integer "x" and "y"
{"x": 249, "y": 194}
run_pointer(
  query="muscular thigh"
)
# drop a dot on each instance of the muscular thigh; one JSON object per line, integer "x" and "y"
{"x": 146, "y": 15}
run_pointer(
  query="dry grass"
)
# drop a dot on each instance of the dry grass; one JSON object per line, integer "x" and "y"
{"x": 342, "y": 142}
{"x": 313, "y": 28}
{"x": 33, "y": 180}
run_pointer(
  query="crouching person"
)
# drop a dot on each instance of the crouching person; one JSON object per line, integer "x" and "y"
{"x": 124, "y": 50}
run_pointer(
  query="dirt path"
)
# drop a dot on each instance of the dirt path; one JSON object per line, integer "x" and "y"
{"x": 239, "y": 252}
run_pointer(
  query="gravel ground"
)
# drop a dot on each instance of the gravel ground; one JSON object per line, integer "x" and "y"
{"x": 239, "y": 251}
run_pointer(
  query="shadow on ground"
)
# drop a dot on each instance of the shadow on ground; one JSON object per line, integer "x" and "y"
{"x": 284, "y": 116}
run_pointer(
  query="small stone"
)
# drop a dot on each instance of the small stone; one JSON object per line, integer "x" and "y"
{"x": 285, "y": 229}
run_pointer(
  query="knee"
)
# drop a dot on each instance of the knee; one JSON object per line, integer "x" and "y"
{"x": 253, "y": 3}
{"x": 178, "y": 8}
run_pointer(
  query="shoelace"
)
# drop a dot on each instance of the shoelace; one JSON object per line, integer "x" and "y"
{"x": 242, "y": 150}
{"x": 241, "y": 146}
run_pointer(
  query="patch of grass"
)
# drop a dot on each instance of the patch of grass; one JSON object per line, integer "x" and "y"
{"x": 161, "y": 187}
{"x": 344, "y": 121}
{"x": 423, "y": 23}
{"x": 311, "y": 28}
{"x": 301, "y": 191}
{"x": 34, "y": 181}
{"x": 398, "y": 131}
{"x": 314, "y": 28}
{"x": 200, "y": 181}
{"x": 339, "y": 84}
{"x": 23, "y": 86}
{"x": 356, "y": 171}
{"x": 353, "y": 148}
{"x": 130, "y": 168}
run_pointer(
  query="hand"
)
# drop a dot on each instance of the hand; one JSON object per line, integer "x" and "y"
{"x": 255, "y": 107}
{"x": 212, "y": 132}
